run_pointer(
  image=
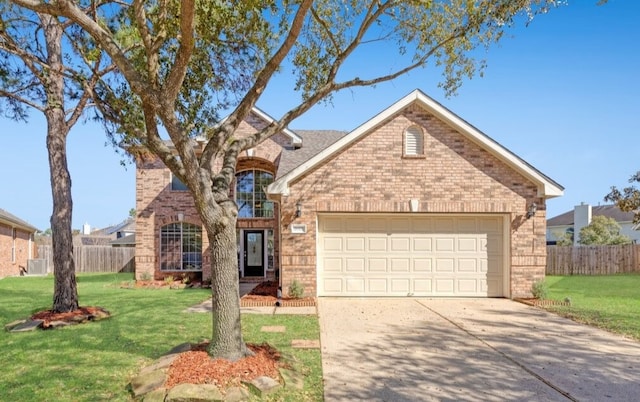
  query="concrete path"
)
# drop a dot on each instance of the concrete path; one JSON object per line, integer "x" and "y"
{"x": 469, "y": 350}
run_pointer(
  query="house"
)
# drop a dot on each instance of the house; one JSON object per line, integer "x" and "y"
{"x": 17, "y": 244}
{"x": 414, "y": 202}
{"x": 570, "y": 222}
{"x": 122, "y": 229}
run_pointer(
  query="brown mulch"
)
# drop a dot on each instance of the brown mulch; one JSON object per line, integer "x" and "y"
{"x": 196, "y": 367}
{"x": 82, "y": 314}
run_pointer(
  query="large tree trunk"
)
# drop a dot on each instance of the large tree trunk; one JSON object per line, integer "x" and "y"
{"x": 227, "y": 341}
{"x": 65, "y": 293}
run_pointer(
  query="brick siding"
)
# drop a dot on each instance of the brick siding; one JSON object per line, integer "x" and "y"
{"x": 9, "y": 267}
{"x": 455, "y": 176}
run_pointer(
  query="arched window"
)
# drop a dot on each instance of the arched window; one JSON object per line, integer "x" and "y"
{"x": 413, "y": 141}
{"x": 181, "y": 247}
{"x": 250, "y": 194}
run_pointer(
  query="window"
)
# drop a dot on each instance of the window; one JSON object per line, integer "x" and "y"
{"x": 177, "y": 184}
{"x": 13, "y": 244}
{"x": 413, "y": 141}
{"x": 181, "y": 247}
{"x": 250, "y": 194}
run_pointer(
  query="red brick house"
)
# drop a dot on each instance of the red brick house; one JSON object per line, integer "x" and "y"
{"x": 414, "y": 202}
{"x": 16, "y": 244}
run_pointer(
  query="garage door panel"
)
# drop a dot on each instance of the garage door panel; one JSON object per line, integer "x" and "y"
{"x": 400, "y": 286}
{"x": 422, "y": 244}
{"x": 422, "y": 265}
{"x": 378, "y": 286}
{"x": 468, "y": 286}
{"x": 333, "y": 286}
{"x": 355, "y": 244}
{"x": 445, "y": 244}
{"x": 388, "y": 255}
{"x": 332, "y": 244}
{"x": 400, "y": 264}
{"x": 422, "y": 286}
{"x": 401, "y": 244}
{"x": 355, "y": 285}
{"x": 467, "y": 245}
{"x": 468, "y": 265}
{"x": 354, "y": 265}
{"x": 444, "y": 286}
{"x": 332, "y": 264}
{"x": 445, "y": 265}
{"x": 377, "y": 265}
{"x": 378, "y": 244}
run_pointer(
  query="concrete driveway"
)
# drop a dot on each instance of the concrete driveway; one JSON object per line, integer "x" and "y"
{"x": 468, "y": 350}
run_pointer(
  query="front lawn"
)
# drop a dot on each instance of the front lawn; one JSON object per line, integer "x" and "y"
{"x": 95, "y": 361}
{"x": 609, "y": 302}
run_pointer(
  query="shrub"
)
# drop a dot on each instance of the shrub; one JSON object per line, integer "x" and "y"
{"x": 540, "y": 289}
{"x": 146, "y": 276}
{"x": 296, "y": 290}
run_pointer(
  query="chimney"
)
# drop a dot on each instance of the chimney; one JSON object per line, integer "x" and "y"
{"x": 86, "y": 229}
{"x": 581, "y": 218}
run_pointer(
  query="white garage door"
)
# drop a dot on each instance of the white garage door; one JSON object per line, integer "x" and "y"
{"x": 410, "y": 255}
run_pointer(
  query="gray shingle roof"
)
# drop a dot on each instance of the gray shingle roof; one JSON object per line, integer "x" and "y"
{"x": 610, "y": 211}
{"x": 14, "y": 220}
{"x": 313, "y": 142}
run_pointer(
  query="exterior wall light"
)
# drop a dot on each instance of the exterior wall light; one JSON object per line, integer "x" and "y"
{"x": 531, "y": 211}
{"x": 298, "y": 209}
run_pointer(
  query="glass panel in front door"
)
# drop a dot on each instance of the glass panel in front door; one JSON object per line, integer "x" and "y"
{"x": 254, "y": 246}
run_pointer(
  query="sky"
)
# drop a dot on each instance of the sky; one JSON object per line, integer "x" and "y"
{"x": 562, "y": 93}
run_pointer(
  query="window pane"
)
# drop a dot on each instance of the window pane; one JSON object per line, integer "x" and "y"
{"x": 177, "y": 185}
{"x": 181, "y": 247}
{"x": 250, "y": 194}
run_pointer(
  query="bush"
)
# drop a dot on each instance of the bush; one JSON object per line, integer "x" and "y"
{"x": 540, "y": 289}
{"x": 296, "y": 290}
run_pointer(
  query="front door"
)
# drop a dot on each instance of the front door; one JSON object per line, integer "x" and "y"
{"x": 253, "y": 253}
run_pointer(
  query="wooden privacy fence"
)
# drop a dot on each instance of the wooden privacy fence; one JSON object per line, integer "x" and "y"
{"x": 593, "y": 260}
{"x": 95, "y": 258}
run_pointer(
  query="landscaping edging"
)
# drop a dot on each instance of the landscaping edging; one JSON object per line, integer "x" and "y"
{"x": 543, "y": 303}
{"x": 257, "y": 302}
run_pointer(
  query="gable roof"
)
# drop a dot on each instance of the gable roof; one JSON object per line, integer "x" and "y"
{"x": 547, "y": 188}
{"x": 315, "y": 141}
{"x": 610, "y": 211}
{"x": 14, "y": 221}
{"x": 296, "y": 141}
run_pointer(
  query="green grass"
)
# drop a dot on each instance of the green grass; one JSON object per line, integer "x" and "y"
{"x": 608, "y": 302}
{"x": 96, "y": 361}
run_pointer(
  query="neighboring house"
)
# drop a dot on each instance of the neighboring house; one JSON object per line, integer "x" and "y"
{"x": 122, "y": 229}
{"x": 17, "y": 245}
{"x": 126, "y": 241}
{"x": 572, "y": 221}
{"x": 414, "y": 202}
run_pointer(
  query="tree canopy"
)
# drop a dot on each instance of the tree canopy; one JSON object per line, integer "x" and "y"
{"x": 602, "y": 231}
{"x": 628, "y": 200}
{"x": 183, "y": 62}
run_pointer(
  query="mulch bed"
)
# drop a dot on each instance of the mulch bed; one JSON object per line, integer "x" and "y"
{"x": 197, "y": 367}
{"x": 265, "y": 294}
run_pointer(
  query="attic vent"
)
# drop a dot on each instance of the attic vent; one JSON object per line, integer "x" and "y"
{"x": 413, "y": 141}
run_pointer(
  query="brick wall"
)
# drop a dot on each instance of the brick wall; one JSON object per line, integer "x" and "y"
{"x": 454, "y": 176}
{"x": 9, "y": 267}
{"x": 157, "y": 205}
